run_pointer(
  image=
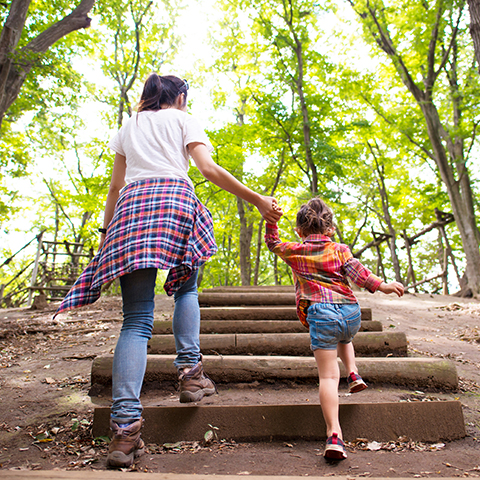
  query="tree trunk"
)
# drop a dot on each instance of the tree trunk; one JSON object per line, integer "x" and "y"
{"x": 386, "y": 215}
{"x": 380, "y": 268}
{"x": 461, "y": 204}
{"x": 305, "y": 120}
{"x": 201, "y": 271}
{"x": 9, "y": 38}
{"x": 227, "y": 270}
{"x": 276, "y": 273}
{"x": 15, "y": 64}
{"x": 297, "y": 85}
{"x": 443, "y": 261}
{"x": 256, "y": 271}
{"x": 410, "y": 272}
{"x": 474, "y": 8}
{"x": 125, "y": 83}
{"x": 246, "y": 232}
{"x": 450, "y": 255}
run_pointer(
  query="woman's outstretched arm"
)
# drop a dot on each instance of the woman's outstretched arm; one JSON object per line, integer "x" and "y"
{"x": 267, "y": 206}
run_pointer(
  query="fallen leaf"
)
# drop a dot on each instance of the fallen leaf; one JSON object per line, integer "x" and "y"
{"x": 209, "y": 435}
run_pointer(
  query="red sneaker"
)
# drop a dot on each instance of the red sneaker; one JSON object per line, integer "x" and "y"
{"x": 335, "y": 448}
{"x": 355, "y": 383}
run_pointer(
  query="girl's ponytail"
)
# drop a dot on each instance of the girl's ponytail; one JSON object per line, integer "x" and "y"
{"x": 314, "y": 217}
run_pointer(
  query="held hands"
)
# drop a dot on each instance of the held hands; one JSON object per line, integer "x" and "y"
{"x": 394, "y": 287}
{"x": 269, "y": 209}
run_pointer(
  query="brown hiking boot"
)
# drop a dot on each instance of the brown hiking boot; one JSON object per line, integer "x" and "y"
{"x": 194, "y": 384}
{"x": 126, "y": 444}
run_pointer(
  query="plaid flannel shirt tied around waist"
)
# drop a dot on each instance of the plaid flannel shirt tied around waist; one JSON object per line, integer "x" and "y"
{"x": 158, "y": 223}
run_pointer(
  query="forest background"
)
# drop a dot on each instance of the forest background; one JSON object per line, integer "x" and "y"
{"x": 373, "y": 105}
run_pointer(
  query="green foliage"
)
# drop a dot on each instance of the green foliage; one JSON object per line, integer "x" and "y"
{"x": 50, "y": 91}
{"x": 305, "y": 118}
{"x": 132, "y": 41}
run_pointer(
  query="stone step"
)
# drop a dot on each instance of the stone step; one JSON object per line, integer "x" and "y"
{"x": 248, "y": 298}
{"x": 251, "y": 288}
{"x": 414, "y": 372}
{"x": 418, "y": 421}
{"x": 164, "y": 327}
{"x": 259, "y": 313}
{"x": 369, "y": 344}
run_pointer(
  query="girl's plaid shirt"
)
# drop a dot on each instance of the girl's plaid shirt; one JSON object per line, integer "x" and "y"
{"x": 321, "y": 269}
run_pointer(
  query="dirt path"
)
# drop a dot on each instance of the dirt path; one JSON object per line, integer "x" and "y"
{"x": 46, "y": 412}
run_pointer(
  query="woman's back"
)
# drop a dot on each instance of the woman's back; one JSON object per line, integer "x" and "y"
{"x": 155, "y": 144}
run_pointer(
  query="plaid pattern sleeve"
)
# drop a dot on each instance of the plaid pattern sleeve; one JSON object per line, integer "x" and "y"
{"x": 361, "y": 275}
{"x": 157, "y": 223}
{"x": 275, "y": 245}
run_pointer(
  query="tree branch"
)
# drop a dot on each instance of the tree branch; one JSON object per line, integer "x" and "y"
{"x": 383, "y": 40}
{"x": 408, "y": 136}
{"x": 75, "y": 21}
{"x": 450, "y": 46}
{"x": 52, "y": 193}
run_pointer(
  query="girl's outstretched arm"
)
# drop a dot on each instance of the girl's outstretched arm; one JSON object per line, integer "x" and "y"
{"x": 117, "y": 182}
{"x": 267, "y": 206}
{"x": 393, "y": 287}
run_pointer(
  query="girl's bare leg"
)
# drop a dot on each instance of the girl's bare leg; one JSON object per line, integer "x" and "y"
{"x": 329, "y": 376}
{"x": 346, "y": 353}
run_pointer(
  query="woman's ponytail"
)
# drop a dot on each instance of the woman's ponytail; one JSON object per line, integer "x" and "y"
{"x": 158, "y": 91}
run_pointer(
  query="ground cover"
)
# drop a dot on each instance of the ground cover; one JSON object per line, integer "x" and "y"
{"x": 46, "y": 410}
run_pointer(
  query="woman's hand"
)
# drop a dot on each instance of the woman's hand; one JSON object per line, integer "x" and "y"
{"x": 102, "y": 241}
{"x": 269, "y": 209}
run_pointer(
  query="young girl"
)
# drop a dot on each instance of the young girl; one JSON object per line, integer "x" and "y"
{"x": 154, "y": 220}
{"x": 326, "y": 304}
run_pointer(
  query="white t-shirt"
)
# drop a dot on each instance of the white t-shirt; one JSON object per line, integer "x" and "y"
{"x": 155, "y": 144}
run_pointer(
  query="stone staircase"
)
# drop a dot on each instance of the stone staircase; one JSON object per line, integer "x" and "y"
{"x": 251, "y": 337}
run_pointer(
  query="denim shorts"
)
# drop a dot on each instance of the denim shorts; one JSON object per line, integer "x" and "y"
{"x": 332, "y": 323}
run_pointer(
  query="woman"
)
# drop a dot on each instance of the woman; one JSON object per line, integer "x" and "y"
{"x": 154, "y": 220}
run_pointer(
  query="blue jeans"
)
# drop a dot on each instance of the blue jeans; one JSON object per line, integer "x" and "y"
{"x": 130, "y": 359}
{"x": 333, "y": 323}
